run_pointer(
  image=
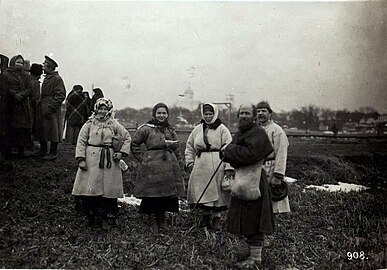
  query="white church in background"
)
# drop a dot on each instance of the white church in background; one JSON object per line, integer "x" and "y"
{"x": 187, "y": 100}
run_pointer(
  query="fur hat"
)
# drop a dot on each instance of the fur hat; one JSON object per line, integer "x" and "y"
{"x": 36, "y": 69}
{"x": 279, "y": 192}
{"x": 264, "y": 104}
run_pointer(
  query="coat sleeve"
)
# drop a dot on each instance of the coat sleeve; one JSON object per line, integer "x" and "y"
{"x": 139, "y": 138}
{"x": 177, "y": 150}
{"x": 83, "y": 138}
{"x": 255, "y": 148}
{"x": 59, "y": 94}
{"x": 26, "y": 92}
{"x": 125, "y": 149}
{"x": 189, "y": 149}
{"x": 226, "y": 139}
{"x": 281, "y": 144}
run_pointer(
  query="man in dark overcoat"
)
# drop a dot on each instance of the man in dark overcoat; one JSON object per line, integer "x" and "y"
{"x": 252, "y": 217}
{"x": 51, "y": 98}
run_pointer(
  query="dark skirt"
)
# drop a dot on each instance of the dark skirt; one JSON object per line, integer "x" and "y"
{"x": 152, "y": 205}
{"x": 252, "y": 217}
{"x": 96, "y": 206}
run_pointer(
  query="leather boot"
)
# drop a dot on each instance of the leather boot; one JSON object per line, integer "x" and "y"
{"x": 160, "y": 219}
{"x": 153, "y": 223}
{"x": 205, "y": 221}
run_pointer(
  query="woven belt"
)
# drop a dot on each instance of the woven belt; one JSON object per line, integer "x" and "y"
{"x": 104, "y": 152}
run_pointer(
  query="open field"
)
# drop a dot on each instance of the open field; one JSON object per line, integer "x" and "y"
{"x": 40, "y": 228}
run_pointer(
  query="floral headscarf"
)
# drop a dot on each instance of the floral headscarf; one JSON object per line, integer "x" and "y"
{"x": 103, "y": 102}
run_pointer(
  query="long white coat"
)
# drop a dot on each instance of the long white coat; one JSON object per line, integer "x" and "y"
{"x": 277, "y": 164}
{"x": 205, "y": 165}
{"x": 96, "y": 181}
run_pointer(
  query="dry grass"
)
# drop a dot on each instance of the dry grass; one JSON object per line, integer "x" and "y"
{"x": 41, "y": 229}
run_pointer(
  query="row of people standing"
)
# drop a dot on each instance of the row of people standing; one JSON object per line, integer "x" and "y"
{"x": 31, "y": 111}
{"x": 211, "y": 152}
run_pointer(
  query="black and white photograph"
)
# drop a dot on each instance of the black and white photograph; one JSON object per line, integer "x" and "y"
{"x": 193, "y": 134}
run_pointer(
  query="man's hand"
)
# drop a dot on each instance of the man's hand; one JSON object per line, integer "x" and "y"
{"x": 278, "y": 178}
{"x": 117, "y": 156}
{"x": 82, "y": 165}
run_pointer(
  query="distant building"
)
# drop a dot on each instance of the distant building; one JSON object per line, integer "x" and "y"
{"x": 187, "y": 100}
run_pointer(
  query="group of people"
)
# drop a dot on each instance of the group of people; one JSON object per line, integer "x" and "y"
{"x": 31, "y": 110}
{"x": 242, "y": 174}
{"x": 253, "y": 162}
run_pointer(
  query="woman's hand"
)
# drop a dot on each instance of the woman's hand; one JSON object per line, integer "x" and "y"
{"x": 117, "y": 156}
{"x": 82, "y": 165}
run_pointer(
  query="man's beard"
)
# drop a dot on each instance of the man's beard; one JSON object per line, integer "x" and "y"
{"x": 245, "y": 124}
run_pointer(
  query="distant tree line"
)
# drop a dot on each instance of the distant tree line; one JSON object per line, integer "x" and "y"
{"x": 309, "y": 117}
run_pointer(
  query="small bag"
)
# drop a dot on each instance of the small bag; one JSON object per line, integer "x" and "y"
{"x": 247, "y": 181}
{"x": 117, "y": 142}
{"x": 226, "y": 183}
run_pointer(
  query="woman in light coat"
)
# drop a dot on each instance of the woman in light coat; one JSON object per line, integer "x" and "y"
{"x": 202, "y": 159}
{"x": 99, "y": 178}
{"x": 159, "y": 180}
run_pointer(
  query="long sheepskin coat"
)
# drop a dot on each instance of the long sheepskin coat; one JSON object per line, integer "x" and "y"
{"x": 160, "y": 169}
{"x": 205, "y": 165}
{"x": 106, "y": 182}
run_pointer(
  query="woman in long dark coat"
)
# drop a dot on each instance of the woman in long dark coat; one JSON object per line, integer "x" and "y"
{"x": 20, "y": 89}
{"x": 159, "y": 179}
{"x": 97, "y": 93}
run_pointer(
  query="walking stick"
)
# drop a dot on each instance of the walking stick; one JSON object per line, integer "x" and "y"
{"x": 196, "y": 204}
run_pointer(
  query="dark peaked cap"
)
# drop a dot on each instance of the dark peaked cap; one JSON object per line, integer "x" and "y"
{"x": 52, "y": 61}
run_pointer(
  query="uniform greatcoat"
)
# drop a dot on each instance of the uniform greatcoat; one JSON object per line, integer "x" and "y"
{"x": 49, "y": 104}
{"x": 96, "y": 181}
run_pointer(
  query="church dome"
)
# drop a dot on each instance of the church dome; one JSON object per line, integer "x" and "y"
{"x": 188, "y": 91}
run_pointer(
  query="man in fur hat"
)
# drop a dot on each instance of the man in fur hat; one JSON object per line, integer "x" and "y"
{"x": 250, "y": 213}
{"x": 275, "y": 163}
{"x": 52, "y": 95}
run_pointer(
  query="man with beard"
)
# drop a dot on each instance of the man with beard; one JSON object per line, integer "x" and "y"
{"x": 250, "y": 213}
{"x": 52, "y": 96}
{"x": 275, "y": 163}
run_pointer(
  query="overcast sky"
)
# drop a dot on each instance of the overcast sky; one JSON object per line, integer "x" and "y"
{"x": 330, "y": 54}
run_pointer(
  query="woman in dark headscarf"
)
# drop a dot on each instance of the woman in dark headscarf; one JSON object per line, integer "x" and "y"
{"x": 97, "y": 94}
{"x": 159, "y": 179}
{"x": 20, "y": 90}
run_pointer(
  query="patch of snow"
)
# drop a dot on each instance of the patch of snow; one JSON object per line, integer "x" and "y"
{"x": 130, "y": 200}
{"x": 344, "y": 187}
{"x": 290, "y": 180}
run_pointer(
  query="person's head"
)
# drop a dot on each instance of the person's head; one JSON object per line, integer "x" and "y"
{"x": 49, "y": 65}
{"x": 247, "y": 114}
{"x": 36, "y": 69}
{"x": 3, "y": 62}
{"x": 97, "y": 92}
{"x": 78, "y": 88}
{"x": 160, "y": 112}
{"x": 103, "y": 109}
{"x": 86, "y": 94}
{"x": 264, "y": 111}
{"x": 209, "y": 113}
{"x": 17, "y": 62}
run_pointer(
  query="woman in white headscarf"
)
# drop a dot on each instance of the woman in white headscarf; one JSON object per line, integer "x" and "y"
{"x": 202, "y": 159}
{"x": 99, "y": 178}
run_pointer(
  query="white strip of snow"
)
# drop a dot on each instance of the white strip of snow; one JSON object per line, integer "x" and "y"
{"x": 344, "y": 187}
{"x": 290, "y": 180}
{"x": 130, "y": 200}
